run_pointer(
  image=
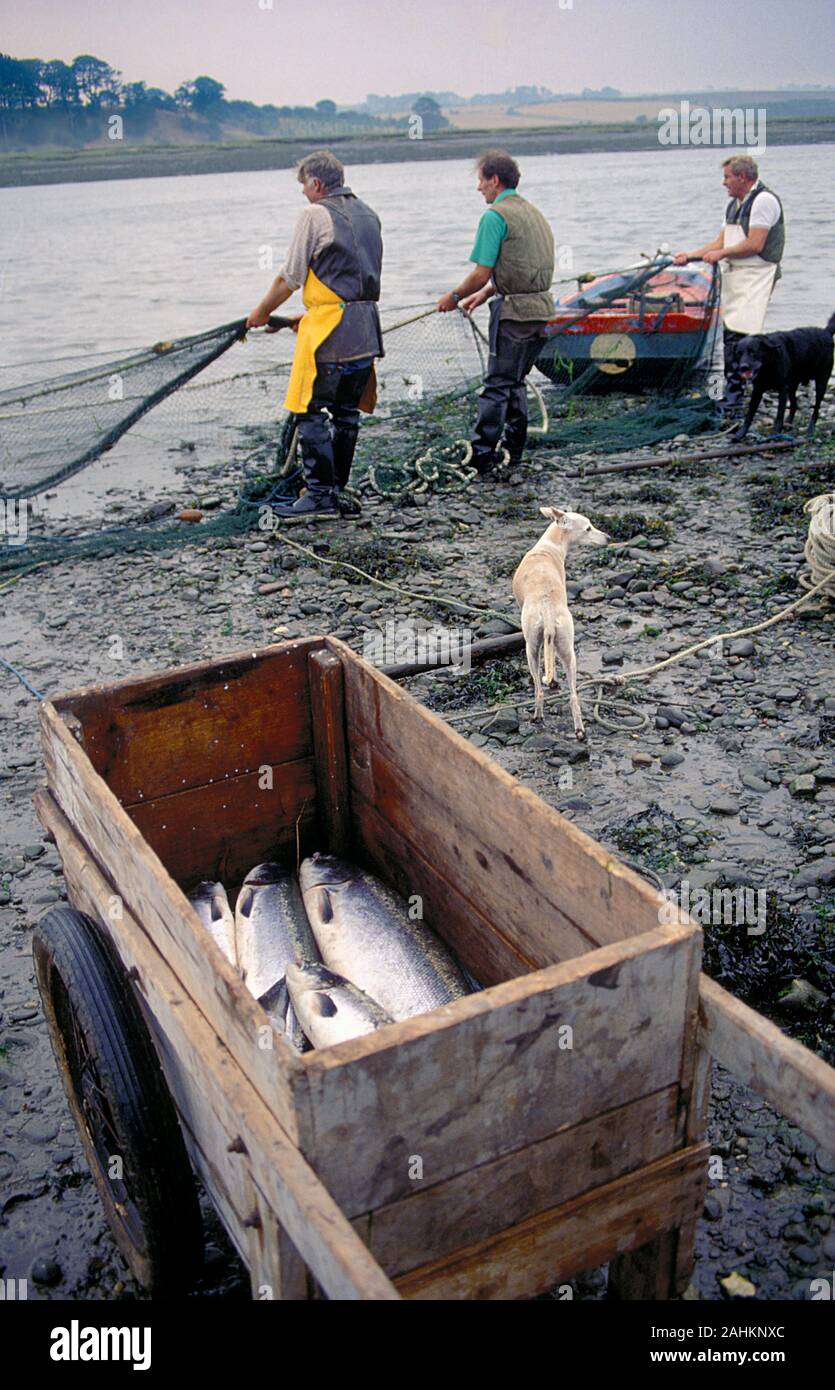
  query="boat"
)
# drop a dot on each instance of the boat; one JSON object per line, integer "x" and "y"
{"x": 649, "y": 326}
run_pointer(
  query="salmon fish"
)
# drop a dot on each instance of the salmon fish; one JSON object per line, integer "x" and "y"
{"x": 365, "y": 933}
{"x": 331, "y": 1009}
{"x": 272, "y": 932}
{"x": 211, "y": 904}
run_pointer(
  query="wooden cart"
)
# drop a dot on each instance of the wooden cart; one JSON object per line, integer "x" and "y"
{"x": 489, "y": 1150}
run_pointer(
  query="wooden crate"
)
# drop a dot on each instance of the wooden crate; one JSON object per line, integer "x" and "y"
{"x": 491, "y": 1149}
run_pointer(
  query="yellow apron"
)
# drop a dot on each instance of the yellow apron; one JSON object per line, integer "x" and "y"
{"x": 746, "y": 286}
{"x": 324, "y": 312}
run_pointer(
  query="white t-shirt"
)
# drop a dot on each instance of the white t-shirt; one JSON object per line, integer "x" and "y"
{"x": 765, "y": 211}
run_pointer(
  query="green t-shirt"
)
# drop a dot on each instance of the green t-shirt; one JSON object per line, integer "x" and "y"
{"x": 492, "y": 230}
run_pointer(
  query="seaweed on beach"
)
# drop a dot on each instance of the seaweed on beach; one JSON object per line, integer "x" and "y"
{"x": 759, "y": 969}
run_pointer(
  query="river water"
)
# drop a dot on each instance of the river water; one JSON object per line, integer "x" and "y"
{"x": 111, "y": 266}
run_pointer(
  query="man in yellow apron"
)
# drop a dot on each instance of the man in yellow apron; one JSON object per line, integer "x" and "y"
{"x": 335, "y": 257}
{"x": 749, "y": 249}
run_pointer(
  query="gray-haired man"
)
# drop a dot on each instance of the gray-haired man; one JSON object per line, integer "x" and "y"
{"x": 748, "y": 250}
{"x": 335, "y": 257}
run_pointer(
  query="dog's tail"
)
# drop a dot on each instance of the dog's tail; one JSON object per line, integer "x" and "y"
{"x": 830, "y": 327}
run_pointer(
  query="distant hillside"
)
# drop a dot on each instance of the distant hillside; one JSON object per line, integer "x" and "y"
{"x": 84, "y": 104}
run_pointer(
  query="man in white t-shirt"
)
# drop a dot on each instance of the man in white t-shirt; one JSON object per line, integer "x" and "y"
{"x": 748, "y": 250}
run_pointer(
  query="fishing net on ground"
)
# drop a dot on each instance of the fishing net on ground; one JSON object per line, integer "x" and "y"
{"x": 217, "y": 395}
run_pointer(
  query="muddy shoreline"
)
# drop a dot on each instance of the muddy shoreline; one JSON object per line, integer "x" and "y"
{"x": 26, "y": 168}
{"x": 730, "y": 783}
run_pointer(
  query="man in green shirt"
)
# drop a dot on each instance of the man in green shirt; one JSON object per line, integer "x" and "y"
{"x": 514, "y": 266}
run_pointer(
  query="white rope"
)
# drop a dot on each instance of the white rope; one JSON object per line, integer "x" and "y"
{"x": 820, "y": 544}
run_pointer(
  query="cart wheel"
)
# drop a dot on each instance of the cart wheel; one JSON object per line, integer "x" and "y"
{"x": 120, "y": 1103}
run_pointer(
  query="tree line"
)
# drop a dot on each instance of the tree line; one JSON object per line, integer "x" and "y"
{"x": 89, "y": 84}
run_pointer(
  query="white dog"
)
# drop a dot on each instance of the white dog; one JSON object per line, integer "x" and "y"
{"x": 539, "y": 588}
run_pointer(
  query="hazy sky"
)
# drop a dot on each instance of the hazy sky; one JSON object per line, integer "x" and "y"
{"x": 298, "y": 51}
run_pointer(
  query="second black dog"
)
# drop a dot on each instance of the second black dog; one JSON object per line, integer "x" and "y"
{"x": 782, "y": 362}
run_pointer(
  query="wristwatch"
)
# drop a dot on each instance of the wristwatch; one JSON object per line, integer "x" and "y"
{"x": 453, "y": 294}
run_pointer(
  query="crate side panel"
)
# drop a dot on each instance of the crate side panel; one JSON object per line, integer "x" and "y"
{"x": 140, "y": 885}
{"x": 511, "y": 1067}
{"x": 220, "y": 832}
{"x": 474, "y": 1205}
{"x": 521, "y": 905}
{"x": 192, "y": 726}
{"x": 477, "y": 942}
{"x": 527, "y": 846}
{"x": 553, "y": 1246}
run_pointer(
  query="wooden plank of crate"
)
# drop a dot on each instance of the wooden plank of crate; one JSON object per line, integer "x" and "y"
{"x": 553, "y": 1246}
{"x": 473, "y": 1205}
{"x": 198, "y": 724}
{"x": 650, "y": 1273}
{"x": 790, "y": 1077}
{"x": 148, "y": 891}
{"x": 275, "y": 1267}
{"x": 524, "y": 845}
{"x": 475, "y": 940}
{"x": 222, "y": 831}
{"x": 497, "y": 1070}
{"x": 525, "y": 908}
{"x": 227, "y": 1120}
{"x": 327, "y": 709}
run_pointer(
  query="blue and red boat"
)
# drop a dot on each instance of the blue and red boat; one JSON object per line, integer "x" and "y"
{"x": 652, "y": 326}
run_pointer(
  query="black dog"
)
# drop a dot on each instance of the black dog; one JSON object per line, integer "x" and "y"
{"x": 781, "y": 362}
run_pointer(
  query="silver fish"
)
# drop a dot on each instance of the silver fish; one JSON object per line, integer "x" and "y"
{"x": 365, "y": 933}
{"x": 329, "y": 1007}
{"x": 211, "y": 904}
{"x": 279, "y": 1010}
{"x": 271, "y": 928}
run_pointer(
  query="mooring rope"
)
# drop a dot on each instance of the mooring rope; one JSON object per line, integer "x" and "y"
{"x": 820, "y": 543}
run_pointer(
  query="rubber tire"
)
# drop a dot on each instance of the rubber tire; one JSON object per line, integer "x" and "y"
{"x": 101, "y": 1042}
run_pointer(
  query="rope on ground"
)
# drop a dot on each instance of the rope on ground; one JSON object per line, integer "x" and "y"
{"x": 820, "y": 544}
{"x": 396, "y": 588}
{"x": 20, "y": 676}
{"x": 435, "y": 467}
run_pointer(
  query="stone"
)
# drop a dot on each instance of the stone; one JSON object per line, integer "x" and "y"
{"x": 805, "y": 785}
{"x": 673, "y": 716}
{"x": 45, "y": 1272}
{"x": 671, "y": 759}
{"x": 39, "y": 1129}
{"x": 787, "y": 694}
{"x": 801, "y": 997}
{"x": 613, "y": 657}
{"x": 736, "y": 1286}
{"x": 724, "y": 805}
{"x": 822, "y": 871}
{"x": 505, "y": 721}
{"x": 806, "y": 1254}
{"x": 754, "y": 783}
{"x": 642, "y": 759}
{"x": 741, "y": 646}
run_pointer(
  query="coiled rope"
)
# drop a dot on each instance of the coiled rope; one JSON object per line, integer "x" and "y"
{"x": 820, "y": 545}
